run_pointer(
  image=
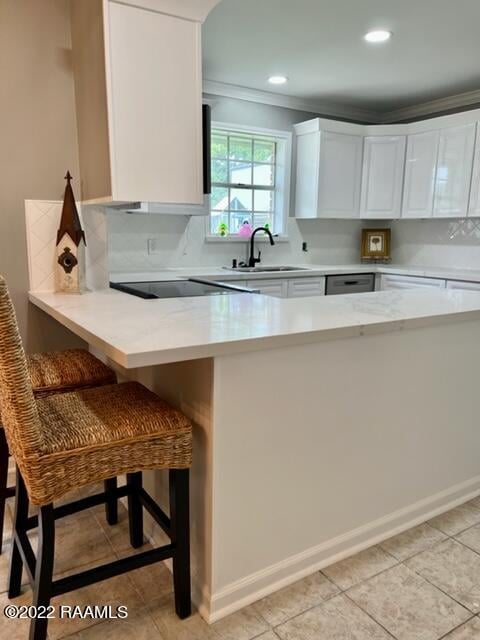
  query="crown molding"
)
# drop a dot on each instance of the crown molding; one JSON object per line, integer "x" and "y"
{"x": 290, "y": 102}
{"x": 419, "y": 111}
{"x": 194, "y": 10}
{"x": 433, "y": 107}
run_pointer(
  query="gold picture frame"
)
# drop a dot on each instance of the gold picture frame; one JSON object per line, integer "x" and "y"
{"x": 376, "y": 245}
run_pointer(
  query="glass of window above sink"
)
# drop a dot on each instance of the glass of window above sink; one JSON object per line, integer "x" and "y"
{"x": 265, "y": 269}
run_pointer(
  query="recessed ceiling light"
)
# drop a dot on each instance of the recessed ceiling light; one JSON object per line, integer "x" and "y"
{"x": 278, "y": 79}
{"x": 379, "y": 35}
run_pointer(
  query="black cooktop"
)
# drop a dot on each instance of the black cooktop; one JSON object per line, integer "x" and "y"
{"x": 176, "y": 289}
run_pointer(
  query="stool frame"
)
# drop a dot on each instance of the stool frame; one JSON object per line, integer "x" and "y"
{"x": 40, "y": 569}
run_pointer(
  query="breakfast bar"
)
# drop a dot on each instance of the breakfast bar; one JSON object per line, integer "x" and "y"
{"x": 285, "y": 396}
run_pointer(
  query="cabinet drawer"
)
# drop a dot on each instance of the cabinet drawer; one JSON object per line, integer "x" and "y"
{"x": 274, "y": 287}
{"x": 305, "y": 287}
{"x": 410, "y": 282}
{"x": 465, "y": 286}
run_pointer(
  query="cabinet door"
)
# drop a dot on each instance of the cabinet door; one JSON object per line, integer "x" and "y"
{"x": 306, "y": 287}
{"x": 454, "y": 171}
{"x": 464, "y": 286}
{"x": 410, "y": 282}
{"x": 155, "y": 89}
{"x": 420, "y": 169}
{"x": 474, "y": 207}
{"x": 306, "y": 187}
{"x": 275, "y": 287}
{"x": 340, "y": 175}
{"x": 382, "y": 180}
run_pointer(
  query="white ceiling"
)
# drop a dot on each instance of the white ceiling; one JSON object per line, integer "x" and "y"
{"x": 318, "y": 44}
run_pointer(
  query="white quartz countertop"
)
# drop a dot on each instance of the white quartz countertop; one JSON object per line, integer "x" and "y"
{"x": 304, "y": 270}
{"x": 135, "y": 332}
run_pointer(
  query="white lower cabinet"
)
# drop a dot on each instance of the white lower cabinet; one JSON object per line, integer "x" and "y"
{"x": 310, "y": 286}
{"x": 305, "y": 287}
{"x": 465, "y": 286}
{"x": 274, "y": 287}
{"x": 389, "y": 282}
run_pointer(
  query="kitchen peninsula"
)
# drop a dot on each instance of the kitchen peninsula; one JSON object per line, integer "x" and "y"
{"x": 323, "y": 424}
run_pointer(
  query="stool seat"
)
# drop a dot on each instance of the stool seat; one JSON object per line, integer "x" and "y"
{"x": 49, "y": 374}
{"x": 101, "y": 433}
{"x": 61, "y": 371}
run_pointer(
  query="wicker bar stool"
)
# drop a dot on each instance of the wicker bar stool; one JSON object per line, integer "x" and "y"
{"x": 52, "y": 373}
{"x": 67, "y": 441}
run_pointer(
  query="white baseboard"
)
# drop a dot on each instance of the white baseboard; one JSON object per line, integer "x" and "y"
{"x": 243, "y": 592}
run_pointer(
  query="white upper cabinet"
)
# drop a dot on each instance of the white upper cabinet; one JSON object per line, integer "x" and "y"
{"x": 329, "y": 170}
{"x": 474, "y": 207}
{"x": 340, "y": 175}
{"x": 424, "y": 169}
{"x": 382, "y": 180}
{"x": 308, "y": 167}
{"x": 138, "y": 89}
{"x": 454, "y": 171}
{"x": 420, "y": 171}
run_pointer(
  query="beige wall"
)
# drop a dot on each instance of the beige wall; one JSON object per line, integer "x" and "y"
{"x": 37, "y": 140}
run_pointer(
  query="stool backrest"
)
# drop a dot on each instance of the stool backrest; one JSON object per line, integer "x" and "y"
{"x": 19, "y": 411}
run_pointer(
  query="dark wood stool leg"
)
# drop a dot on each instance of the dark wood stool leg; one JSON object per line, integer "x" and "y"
{"x": 135, "y": 509}
{"x": 180, "y": 528}
{"x": 42, "y": 589}
{"x": 19, "y": 525}
{"x": 111, "y": 506}
{"x": 3, "y": 481}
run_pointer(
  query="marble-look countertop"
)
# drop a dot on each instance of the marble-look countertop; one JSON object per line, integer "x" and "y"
{"x": 305, "y": 270}
{"x": 135, "y": 332}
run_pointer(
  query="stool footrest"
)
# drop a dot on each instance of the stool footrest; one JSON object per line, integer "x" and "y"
{"x": 80, "y": 505}
{"x": 111, "y": 569}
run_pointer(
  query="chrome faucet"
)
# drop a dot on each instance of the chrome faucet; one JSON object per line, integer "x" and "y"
{"x": 252, "y": 261}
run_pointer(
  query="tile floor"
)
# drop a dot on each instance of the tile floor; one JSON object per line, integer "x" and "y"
{"x": 421, "y": 585}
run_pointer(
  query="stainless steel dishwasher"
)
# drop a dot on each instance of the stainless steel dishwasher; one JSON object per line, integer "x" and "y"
{"x": 350, "y": 283}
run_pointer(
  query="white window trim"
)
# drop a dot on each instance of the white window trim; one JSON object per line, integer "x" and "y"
{"x": 284, "y": 176}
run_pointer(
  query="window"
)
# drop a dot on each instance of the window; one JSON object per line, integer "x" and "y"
{"x": 250, "y": 180}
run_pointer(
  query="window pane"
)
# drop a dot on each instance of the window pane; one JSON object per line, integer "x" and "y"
{"x": 263, "y": 200}
{"x": 241, "y": 200}
{"x": 219, "y": 171}
{"x": 240, "y": 149}
{"x": 264, "y": 151}
{"x": 238, "y": 219}
{"x": 219, "y": 145}
{"x": 262, "y": 219}
{"x": 263, "y": 175}
{"x": 240, "y": 172}
{"x": 219, "y": 223}
{"x": 219, "y": 198}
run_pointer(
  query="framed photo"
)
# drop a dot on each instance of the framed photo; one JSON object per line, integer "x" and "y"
{"x": 376, "y": 244}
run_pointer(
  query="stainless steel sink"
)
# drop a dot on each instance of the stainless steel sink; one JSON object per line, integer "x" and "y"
{"x": 264, "y": 269}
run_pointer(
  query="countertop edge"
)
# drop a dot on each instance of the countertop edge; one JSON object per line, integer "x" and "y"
{"x": 138, "y": 359}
